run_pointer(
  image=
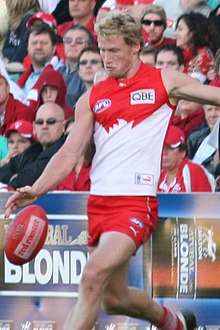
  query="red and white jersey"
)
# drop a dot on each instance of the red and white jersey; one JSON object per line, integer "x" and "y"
{"x": 131, "y": 121}
{"x": 191, "y": 177}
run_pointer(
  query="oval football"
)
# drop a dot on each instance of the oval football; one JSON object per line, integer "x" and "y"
{"x": 26, "y": 235}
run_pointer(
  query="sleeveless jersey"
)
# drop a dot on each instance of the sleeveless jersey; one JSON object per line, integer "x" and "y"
{"x": 131, "y": 120}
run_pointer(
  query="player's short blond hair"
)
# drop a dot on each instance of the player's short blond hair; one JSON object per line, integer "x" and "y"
{"x": 120, "y": 23}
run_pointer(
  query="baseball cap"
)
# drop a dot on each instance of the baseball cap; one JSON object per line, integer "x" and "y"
{"x": 44, "y": 17}
{"x": 23, "y": 127}
{"x": 175, "y": 137}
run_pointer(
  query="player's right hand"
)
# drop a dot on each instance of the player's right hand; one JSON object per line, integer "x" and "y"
{"x": 22, "y": 197}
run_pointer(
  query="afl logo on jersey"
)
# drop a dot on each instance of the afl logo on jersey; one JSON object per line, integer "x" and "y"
{"x": 102, "y": 105}
{"x": 143, "y": 96}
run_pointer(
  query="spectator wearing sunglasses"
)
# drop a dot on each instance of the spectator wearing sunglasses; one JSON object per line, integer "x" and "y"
{"x": 25, "y": 168}
{"x": 154, "y": 23}
{"x": 89, "y": 63}
{"x": 75, "y": 40}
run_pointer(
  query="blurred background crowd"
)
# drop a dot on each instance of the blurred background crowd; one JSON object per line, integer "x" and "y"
{"x": 50, "y": 57}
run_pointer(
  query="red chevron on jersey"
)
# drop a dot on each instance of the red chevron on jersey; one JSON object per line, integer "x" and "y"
{"x": 131, "y": 100}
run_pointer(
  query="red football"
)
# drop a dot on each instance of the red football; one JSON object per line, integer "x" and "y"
{"x": 26, "y": 235}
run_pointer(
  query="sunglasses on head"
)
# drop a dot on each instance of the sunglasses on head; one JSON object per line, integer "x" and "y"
{"x": 93, "y": 62}
{"x": 49, "y": 121}
{"x": 148, "y": 22}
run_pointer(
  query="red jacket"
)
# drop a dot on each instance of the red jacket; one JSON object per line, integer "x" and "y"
{"x": 15, "y": 110}
{"x": 190, "y": 177}
{"x": 54, "y": 78}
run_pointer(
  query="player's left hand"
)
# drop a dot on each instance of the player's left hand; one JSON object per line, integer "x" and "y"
{"x": 22, "y": 197}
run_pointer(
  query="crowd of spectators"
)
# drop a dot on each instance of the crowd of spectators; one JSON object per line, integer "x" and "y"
{"x": 50, "y": 57}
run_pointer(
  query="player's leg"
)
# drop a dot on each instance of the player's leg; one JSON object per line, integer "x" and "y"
{"x": 118, "y": 298}
{"x": 113, "y": 251}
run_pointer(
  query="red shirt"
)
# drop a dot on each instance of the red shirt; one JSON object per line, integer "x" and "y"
{"x": 190, "y": 177}
{"x": 15, "y": 110}
{"x": 163, "y": 41}
{"x": 199, "y": 63}
{"x": 73, "y": 183}
{"x": 62, "y": 28}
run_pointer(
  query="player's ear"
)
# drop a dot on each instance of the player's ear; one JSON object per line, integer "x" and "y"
{"x": 136, "y": 48}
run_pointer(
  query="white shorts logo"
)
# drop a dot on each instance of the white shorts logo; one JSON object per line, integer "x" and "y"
{"x": 143, "y": 96}
{"x": 145, "y": 179}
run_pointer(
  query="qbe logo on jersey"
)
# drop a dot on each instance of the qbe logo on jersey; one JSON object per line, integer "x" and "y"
{"x": 143, "y": 96}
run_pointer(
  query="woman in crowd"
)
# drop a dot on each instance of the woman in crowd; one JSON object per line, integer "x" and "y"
{"x": 199, "y": 39}
{"x": 19, "y": 11}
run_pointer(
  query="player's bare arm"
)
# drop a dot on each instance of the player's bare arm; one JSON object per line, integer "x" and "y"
{"x": 62, "y": 162}
{"x": 181, "y": 86}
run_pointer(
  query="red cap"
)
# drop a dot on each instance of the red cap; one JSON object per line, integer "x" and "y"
{"x": 175, "y": 137}
{"x": 23, "y": 127}
{"x": 44, "y": 17}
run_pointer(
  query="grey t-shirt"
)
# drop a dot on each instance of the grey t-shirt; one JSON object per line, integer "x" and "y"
{"x": 75, "y": 85}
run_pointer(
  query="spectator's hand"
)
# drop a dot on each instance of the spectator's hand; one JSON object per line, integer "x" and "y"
{"x": 8, "y": 157}
{"x": 211, "y": 74}
{"x": 22, "y": 197}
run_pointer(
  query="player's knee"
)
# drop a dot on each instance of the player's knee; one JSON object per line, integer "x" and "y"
{"x": 92, "y": 280}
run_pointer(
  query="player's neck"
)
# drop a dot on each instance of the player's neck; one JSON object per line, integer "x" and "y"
{"x": 132, "y": 69}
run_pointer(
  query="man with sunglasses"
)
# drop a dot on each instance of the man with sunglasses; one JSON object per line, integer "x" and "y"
{"x": 154, "y": 23}
{"x": 128, "y": 114}
{"x": 89, "y": 63}
{"x": 75, "y": 40}
{"x": 26, "y": 167}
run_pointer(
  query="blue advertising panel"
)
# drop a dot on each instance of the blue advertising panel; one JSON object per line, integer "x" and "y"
{"x": 179, "y": 267}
